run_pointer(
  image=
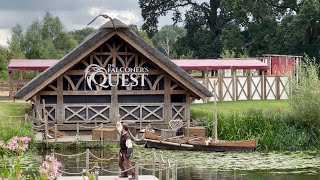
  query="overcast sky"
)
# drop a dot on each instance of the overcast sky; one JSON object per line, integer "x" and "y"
{"x": 74, "y": 14}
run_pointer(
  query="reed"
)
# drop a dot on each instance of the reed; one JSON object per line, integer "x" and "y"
{"x": 276, "y": 130}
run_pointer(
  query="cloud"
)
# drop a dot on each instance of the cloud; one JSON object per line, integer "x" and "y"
{"x": 74, "y": 14}
{"x": 4, "y": 36}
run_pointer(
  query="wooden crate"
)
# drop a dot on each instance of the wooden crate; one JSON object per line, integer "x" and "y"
{"x": 196, "y": 131}
{"x": 167, "y": 133}
{"x": 108, "y": 134}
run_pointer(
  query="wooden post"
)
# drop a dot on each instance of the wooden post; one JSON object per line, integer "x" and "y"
{"x": 153, "y": 162}
{"x": 167, "y": 100}
{"x": 234, "y": 86}
{"x": 96, "y": 171}
{"x": 249, "y": 85}
{"x": 137, "y": 171}
{"x": 263, "y": 86}
{"x": 38, "y": 110}
{"x": 55, "y": 132}
{"x": 205, "y": 76}
{"x": 101, "y": 134}
{"x": 188, "y": 112}
{"x": 87, "y": 160}
{"x": 60, "y": 104}
{"x": 45, "y": 121}
{"x": 26, "y": 118}
{"x": 277, "y": 86}
{"x": 114, "y": 107}
{"x": 174, "y": 172}
{"x": 220, "y": 87}
{"x": 160, "y": 167}
{"x": 78, "y": 127}
{"x": 215, "y": 120}
{"x": 10, "y": 84}
{"x": 167, "y": 170}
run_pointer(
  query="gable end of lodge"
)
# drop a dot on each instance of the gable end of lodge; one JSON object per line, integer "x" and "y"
{"x": 113, "y": 71}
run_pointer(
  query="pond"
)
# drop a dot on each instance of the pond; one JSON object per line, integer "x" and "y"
{"x": 208, "y": 165}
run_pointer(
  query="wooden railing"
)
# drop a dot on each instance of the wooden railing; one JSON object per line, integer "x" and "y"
{"x": 247, "y": 88}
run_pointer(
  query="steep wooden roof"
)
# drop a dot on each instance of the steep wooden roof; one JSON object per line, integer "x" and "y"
{"x": 93, "y": 41}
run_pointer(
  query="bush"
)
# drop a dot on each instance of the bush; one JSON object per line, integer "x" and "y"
{"x": 275, "y": 129}
{"x": 20, "y": 129}
{"x": 305, "y": 101}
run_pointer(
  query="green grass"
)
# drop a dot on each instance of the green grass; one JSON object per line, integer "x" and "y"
{"x": 12, "y": 109}
{"x": 240, "y": 106}
{"x": 14, "y": 126}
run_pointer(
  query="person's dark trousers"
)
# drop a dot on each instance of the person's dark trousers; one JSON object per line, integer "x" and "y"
{"x": 124, "y": 164}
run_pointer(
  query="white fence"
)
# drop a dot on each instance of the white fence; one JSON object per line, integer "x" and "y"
{"x": 247, "y": 88}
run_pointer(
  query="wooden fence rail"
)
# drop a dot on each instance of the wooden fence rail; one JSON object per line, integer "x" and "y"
{"x": 246, "y": 88}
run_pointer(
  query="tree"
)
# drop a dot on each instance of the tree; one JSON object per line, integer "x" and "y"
{"x": 16, "y": 42}
{"x": 141, "y": 33}
{"x": 203, "y": 22}
{"x": 272, "y": 26}
{"x": 47, "y": 39}
{"x": 33, "y": 44}
{"x": 166, "y": 38}
{"x": 3, "y": 63}
{"x": 80, "y": 35}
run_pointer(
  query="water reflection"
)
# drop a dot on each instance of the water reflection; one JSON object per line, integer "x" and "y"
{"x": 188, "y": 172}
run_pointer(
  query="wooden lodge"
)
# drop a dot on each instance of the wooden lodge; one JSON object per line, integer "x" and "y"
{"x": 111, "y": 72}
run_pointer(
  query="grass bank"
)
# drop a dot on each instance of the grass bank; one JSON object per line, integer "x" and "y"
{"x": 270, "y": 121}
{"x": 12, "y": 120}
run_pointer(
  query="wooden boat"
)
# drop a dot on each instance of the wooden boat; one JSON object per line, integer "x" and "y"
{"x": 197, "y": 143}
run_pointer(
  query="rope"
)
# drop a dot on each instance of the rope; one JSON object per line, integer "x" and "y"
{"x": 35, "y": 126}
{"x": 70, "y": 155}
{"x": 77, "y": 172}
{"x": 155, "y": 169}
{"x": 161, "y": 156}
{"x": 115, "y": 172}
{"x": 135, "y": 139}
{"x": 11, "y": 116}
{"x": 89, "y": 127}
{"x": 102, "y": 159}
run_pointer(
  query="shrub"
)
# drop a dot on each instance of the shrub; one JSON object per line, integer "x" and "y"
{"x": 275, "y": 129}
{"x": 305, "y": 90}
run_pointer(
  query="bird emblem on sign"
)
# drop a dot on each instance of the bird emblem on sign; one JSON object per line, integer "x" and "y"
{"x": 92, "y": 71}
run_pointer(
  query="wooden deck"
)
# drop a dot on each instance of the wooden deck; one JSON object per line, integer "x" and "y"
{"x": 69, "y": 139}
{"x": 141, "y": 177}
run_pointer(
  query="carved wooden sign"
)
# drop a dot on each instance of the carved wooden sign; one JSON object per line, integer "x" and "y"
{"x": 113, "y": 76}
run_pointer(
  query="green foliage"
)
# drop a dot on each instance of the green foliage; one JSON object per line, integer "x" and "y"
{"x": 242, "y": 27}
{"x": 47, "y": 39}
{"x": 202, "y": 22}
{"x": 80, "y": 35}
{"x": 305, "y": 91}
{"x": 16, "y": 42}
{"x": 11, "y": 121}
{"x": 275, "y": 128}
{"x": 3, "y": 63}
{"x": 141, "y": 33}
{"x": 166, "y": 38}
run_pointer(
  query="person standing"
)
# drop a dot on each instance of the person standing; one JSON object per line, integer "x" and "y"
{"x": 126, "y": 149}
